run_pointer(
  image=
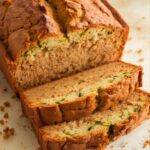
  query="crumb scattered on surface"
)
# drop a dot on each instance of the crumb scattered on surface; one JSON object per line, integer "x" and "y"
{"x": 147, "y": 143}
{"x": 4, "y": 89}
{"x": 143, "y": 17}
{"x": 138, "y": 28}
{"x": 141, "y": 60}
{"x": 2, "y": 109}
{"x": 2, "y": 122}
{"x": 139, "y": 51}
{"x": 8, "y": 132}
{"x": 7, "y": 104}
{"x": 6, "y": 115}
{"x": 129, "y": 51}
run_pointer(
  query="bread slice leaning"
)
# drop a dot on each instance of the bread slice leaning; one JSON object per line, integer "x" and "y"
{"x": 81, "y": 94}
{"x": 98, "y": 129}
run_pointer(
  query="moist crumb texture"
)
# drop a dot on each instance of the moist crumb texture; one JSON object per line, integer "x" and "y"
{"x": 81, "y": 94}
{"x": 99, "y": 129}
{"x": 52, "y": 39}
{"x": 63, "y": 61}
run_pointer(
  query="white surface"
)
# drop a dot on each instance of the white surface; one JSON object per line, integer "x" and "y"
{"x": 137, "y": 14}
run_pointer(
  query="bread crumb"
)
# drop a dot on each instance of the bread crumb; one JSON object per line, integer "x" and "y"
{"x": 6, "y": 115}
{"x": 2, "y": 109}
{"x": 129, "y": 51}
{"x": 8, "y": 132}
{"x": 7, "y": 104}
{"x": 4, "y": 89}
{"x": 138, "y": 28}
{"x": 2, "y": 122}
{"x": 141, "y": 60}
{"x": 143, "y": 17}
{"x": 139, "y": 51}
{"x": 147, "y": 143}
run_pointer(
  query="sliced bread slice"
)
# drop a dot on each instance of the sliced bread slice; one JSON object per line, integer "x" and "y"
{"x": 98, "y": 129}
{"x": 79, "y": 95}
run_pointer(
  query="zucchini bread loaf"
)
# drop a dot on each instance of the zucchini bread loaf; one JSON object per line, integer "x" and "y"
{"x": 81, "y": 94}
{"x": 45, "y": 40}
{"x": 97, "y": 130}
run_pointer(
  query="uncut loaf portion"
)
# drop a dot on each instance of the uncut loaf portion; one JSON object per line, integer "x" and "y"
{"x": 45, "y": 40}
{"x": 97, "y": 130}
{"x": 81, "y": 94}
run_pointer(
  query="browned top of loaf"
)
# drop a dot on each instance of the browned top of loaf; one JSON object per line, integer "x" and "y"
{"x": 24, "y": 22}
{"x": 76, "y": 82}
{"x": 80, "y": 14}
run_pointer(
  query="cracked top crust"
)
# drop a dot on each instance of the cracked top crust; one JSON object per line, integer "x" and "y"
{"x": 80, "y": 14}
{"x": 24, "y": 22}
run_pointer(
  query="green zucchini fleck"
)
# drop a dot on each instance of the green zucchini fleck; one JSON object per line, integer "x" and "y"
{"x": 90, "y": 128}
{"x": 111, "y": 129}
{"x": 98, "y": 122}
{"x": 137, "y": 108}
{"x": 81, "y": 81}
{"x": 109, "y": 32}
{"x": 63, "y": 99}
{"x": 80, "y": 94}
{"x": 127, "y": 73}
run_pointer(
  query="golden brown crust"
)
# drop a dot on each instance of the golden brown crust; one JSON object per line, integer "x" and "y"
{"x": 98, "y": 139}
{"x": 124, "y": 88}
{"x": 122, "y": 22}
{"x": 116, "y": 14}
{"x": 83, "y": 106}
{"x": 77, "y": 15}
{"x": 7, "y": 67}
{"x": 36, "y": 20}
{"x": 24, "y": 22}
{"x": 76, "y": 110}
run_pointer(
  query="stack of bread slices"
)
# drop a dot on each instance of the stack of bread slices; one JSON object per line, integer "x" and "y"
{"x": 63, "y": 59}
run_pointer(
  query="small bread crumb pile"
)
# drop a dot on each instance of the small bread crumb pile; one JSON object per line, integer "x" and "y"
{"x": 138, "y": 28}
{"x": 7, "y": 131}
{"x": 4, "y": 89}
{"x": 141, "y": 59}
{"x": 7, "y": 104}
{"x": 147, "y": 143}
